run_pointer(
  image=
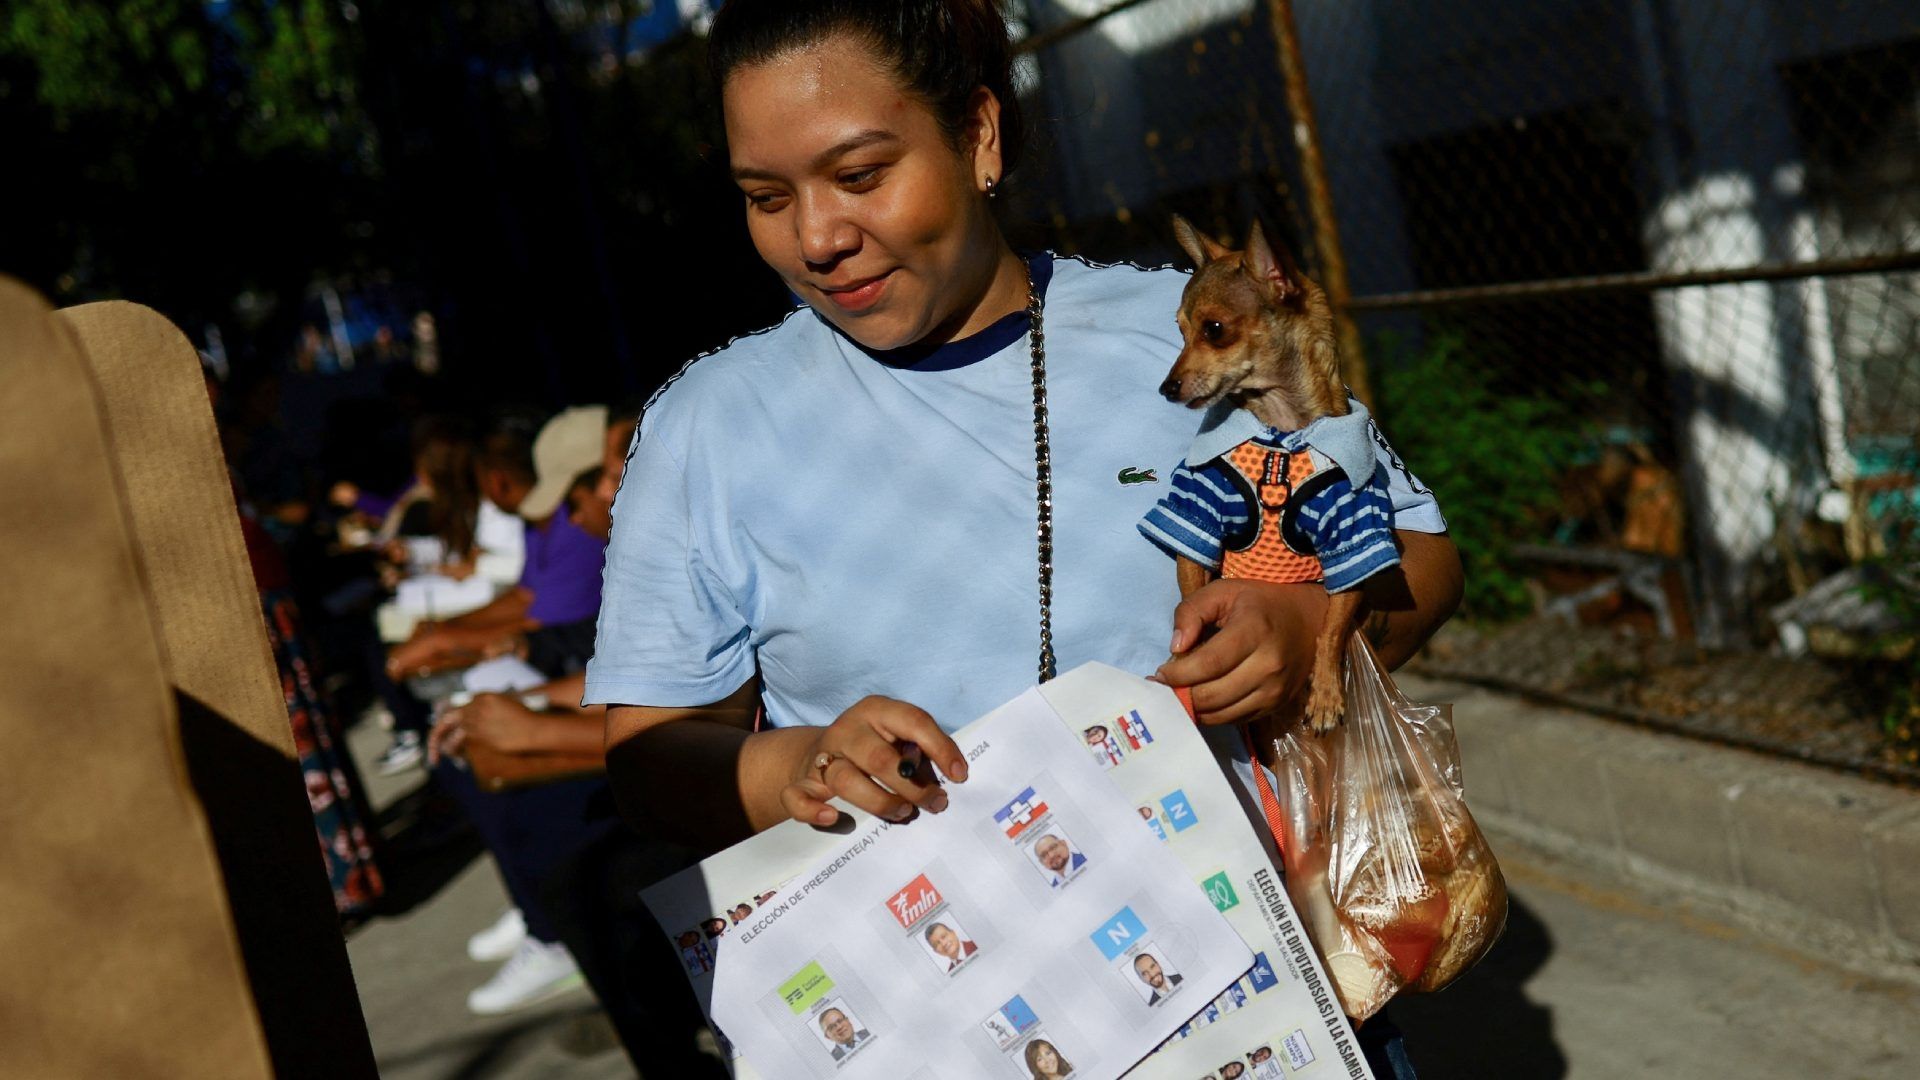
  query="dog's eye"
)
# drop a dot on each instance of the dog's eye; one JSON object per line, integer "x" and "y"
{"x": 1212, "y": 331}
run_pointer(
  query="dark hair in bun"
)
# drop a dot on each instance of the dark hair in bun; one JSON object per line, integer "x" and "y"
{"x": 941, "y": 49}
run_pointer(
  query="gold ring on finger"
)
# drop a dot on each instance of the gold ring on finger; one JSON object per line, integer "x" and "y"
{"x": 823, "y": 760}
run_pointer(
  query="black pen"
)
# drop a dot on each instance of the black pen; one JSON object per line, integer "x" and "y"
{"x": 909, "y": 761}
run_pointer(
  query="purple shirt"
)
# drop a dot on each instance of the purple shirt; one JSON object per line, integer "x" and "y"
{"x": 562, "y": 571}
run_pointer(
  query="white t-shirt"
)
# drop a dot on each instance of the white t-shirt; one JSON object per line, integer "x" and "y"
{"x": 500, "y": 539}
{"x": 849, "y": 524}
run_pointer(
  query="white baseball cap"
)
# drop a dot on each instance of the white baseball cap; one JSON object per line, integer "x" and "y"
{"x": 571, "y": 443}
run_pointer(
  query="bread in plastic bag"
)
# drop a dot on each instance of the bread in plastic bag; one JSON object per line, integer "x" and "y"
{"x": 1385, "y": 864}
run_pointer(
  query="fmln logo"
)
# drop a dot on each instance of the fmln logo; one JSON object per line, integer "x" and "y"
{"x": 915, "y": 902}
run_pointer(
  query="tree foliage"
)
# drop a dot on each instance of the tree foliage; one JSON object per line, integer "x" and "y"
{"x": 271, "y": 75}
{"x": 534, "y": 172}
{"x": 183, "y": 152}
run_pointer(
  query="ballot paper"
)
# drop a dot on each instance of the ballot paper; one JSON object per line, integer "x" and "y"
{"x": 1068, "y": 903}
{"x": 430, "y": 596}
{"x": 436, "y": 596}
{"x": 1282, "y": 1010}
{"x": 501, "y": 675}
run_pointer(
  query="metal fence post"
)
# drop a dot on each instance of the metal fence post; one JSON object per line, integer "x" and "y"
{"x": 1313, "y": 172}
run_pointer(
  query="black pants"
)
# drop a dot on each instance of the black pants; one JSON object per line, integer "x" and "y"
{"x": 632, "y": 967}
{"x": 575, "y": 871}
{"x": 531, "y": 833}
{"x": 561, "y": 649}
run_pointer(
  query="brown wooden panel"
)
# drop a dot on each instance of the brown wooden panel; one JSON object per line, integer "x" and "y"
{"x": 232, "y": 713}
{"x": 121, "y": 955}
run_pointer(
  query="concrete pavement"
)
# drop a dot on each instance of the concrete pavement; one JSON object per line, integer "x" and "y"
{"x": 414, "y": 976}
{"x": 1593, "y": 981}
{"x": 413, "y": 973}
{"x": 1602, "y": 973}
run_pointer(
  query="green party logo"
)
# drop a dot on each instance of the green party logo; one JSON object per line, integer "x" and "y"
{"x": 807, "y": 986}
{"x": 1220, "y": 891}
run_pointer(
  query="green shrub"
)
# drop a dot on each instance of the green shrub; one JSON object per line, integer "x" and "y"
{"x": 1491, "y": 458}
{"x": 1893, "y": 581}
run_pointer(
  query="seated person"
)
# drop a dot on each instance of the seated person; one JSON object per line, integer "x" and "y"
{"x": 554, "y": 605}
{"x": 572, "y": 871}
{"x": 506, "y": 725}
{"x": 443, "y": 501}
{"x": 503, "y": 722}
{"x": 429, "y": 528}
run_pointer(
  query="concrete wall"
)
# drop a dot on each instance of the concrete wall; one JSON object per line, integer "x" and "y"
{"x": 1824, "y": 861}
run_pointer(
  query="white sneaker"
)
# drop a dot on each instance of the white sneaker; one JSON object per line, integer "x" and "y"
{"x": 536, "y": 971}
{"x": 406, "y": 752}
{"x": 499, "y": 941}
{"x": 379, "y": 714}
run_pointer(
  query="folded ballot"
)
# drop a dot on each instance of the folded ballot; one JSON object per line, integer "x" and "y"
{"x": 1090, "y": 894}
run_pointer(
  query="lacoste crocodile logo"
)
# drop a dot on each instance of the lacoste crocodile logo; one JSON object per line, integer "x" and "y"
{"x": 1130, "y": 476}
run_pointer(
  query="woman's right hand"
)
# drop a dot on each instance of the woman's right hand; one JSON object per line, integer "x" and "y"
{"x": 499, "y": 722}
{"x": 857, "y": 758}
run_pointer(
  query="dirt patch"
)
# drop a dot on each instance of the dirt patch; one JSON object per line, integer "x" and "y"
{"x": 1807, "y": 709}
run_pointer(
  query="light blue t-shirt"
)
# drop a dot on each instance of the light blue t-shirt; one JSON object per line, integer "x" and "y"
{"x": 850, "y": 524}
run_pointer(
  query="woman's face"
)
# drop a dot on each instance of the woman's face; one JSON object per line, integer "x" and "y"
{"x": 855, "y": 195}
{"x": 1046, "y": 1060}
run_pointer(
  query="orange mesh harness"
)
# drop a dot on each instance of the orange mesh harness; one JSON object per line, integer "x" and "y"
{"x": 1272, "y": 476}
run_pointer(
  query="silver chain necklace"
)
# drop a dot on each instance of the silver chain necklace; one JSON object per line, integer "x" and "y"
{"x": 1042, "y": 476}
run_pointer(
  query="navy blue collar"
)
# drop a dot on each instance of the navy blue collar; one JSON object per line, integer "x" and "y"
{"x": 974, "y": 347}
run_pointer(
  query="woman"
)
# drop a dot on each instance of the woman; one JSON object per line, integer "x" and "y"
{"x": 441, "y": 507}
{"x": 835, "y": 520}
{"x": 1045, "y": 1062}
{"x": 443, "y": 504}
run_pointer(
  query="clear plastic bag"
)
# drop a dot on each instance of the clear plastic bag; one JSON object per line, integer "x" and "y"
{"x": 1385, "y": 864}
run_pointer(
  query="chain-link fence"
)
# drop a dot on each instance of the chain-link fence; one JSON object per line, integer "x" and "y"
{"x": 1636, "y": 286}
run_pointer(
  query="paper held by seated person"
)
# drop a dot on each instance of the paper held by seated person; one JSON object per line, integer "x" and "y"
{"x": 436, "y": 596}
{"x": 501, "y": 675}
{"x": 1094, "y": 891}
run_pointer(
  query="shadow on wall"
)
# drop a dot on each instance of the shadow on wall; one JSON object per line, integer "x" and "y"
{"x": 1484, "y": 1024}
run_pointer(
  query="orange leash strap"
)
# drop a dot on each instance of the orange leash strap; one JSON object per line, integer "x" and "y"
{"x": 1409, "y": 953}
{"x": 1269, "y": 802}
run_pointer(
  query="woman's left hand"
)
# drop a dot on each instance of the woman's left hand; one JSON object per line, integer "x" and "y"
{"x": 1259, "y": 656}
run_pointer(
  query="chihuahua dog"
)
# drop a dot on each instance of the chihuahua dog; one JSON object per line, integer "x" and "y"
{"x": 1259, "y": 336}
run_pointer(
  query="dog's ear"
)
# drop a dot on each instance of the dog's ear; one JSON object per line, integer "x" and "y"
{"x": 1273, "y": 266}
{"x": 1200, "y": 247}
{"x": 1191, "y": 241}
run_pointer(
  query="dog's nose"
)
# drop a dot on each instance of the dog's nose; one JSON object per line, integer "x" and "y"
{"x": 1170, "y": 389}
